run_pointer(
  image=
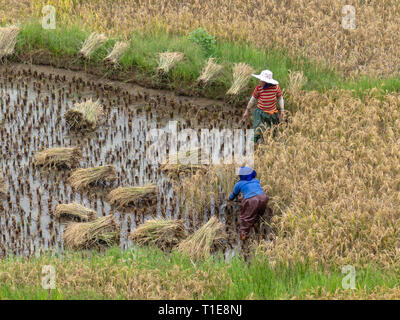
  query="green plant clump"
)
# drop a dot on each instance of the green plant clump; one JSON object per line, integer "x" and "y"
{"x": 203, "y": 39}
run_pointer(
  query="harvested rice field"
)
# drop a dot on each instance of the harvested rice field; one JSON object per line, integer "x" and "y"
{"x": 123, "y": 127}
{"x": 46, "y": 164}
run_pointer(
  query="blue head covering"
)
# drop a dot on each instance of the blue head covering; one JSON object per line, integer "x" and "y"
{"x": 246, "y": 173}
{"x": 267, "y": 85}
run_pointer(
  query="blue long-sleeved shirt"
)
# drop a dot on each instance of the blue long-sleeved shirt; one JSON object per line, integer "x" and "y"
{"x": 247, "y": 188}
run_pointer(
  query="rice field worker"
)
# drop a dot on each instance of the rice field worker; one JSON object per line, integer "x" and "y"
{"x": 267, "y": 93}
{"x": 254, "y": 200}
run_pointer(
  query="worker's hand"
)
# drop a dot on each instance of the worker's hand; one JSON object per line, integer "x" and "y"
{"x": 282, "y": 115}
{"x": 245, "y": 115}
{"x": 227, "y": 198}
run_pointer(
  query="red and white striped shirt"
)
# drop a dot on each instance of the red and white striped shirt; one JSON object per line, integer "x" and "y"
{"x": 267, "y": 98}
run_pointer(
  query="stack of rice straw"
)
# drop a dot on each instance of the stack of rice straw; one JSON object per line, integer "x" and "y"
{"x": 75, "y": 212}
{"x": 167, "y": 60}
{"x": 84, "y": 115}
{"x": 100, "y": 232}
{"x": 201, "y": 243}
{"x": 241, "y": 76}
{"x": 162, "y": 233}
{"x": 58, "y": 157}
{"x": 210, "y": 71}
{"x": 8, "y": 39}
{"x": 116, "y": 53}
{"x": 92, "y": 43}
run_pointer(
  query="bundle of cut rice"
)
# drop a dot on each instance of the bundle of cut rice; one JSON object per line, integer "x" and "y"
{"x": 167, "y": 60}
{"x": 116, "y": 53}
{"x": 58, "y": 157}
{"x": 210, "y": 71}
{"x": 83, "y": 178}
{"x": 206, "y": 239}
{"x": 127, "y": 196}
{"x": 8, "y": 39}
{"x": 84, "y": 115}
{"x": 184, "y": 163}
{"x": 241, "y": 75}
{"x": 87, "y": 235}
{"x": 92, "y": 43}
{"x": 165, "y": 234}
{"x": 74, "y": 211}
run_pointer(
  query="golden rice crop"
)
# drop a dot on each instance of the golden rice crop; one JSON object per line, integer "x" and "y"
{"x": 241, "y": 76}
{"x": 8, "y": 39}
{"x": 84, "y": 115}
{"x": 126, "y": 196}
{"x": 312, "y": 28}
{"x": 210, "y": 71}
{"x": 92, "y": 43}
{"x": 201, "y": 243}
{"x": 87, "y": 235}
{"x": 117, "y": 51}
{"x": 83, "y": 178}
{"x": 77, "y": 275}
{"x": 333, "y": 180}
{"x": 58, "y": 157}
{"x": 163, "y": 233}
{"x": 74, "y": 211}
{"x": 167, "y": 60}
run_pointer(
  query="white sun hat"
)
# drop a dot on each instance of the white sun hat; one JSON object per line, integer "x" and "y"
{"x": 266, "y": 76}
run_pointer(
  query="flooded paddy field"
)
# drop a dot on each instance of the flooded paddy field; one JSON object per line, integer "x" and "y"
{"x": 33, "y": 101}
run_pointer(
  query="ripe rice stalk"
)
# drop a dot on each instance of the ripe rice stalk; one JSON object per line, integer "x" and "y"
{"x": 101, "y": 232}
{"x": 116, "y": 53}
{"x": 58, "y": 157}
{"x": 84, "y": 115}
{"x": 162, "y": 233}
{"x": 167, "y": 60}
{"x": 185, "y": 163}
{"x": 8, "y": 39}
{"x": 210, "y": 71}
{"x": 241, "y": 76}
{"x": 123, "y": 197}
{"x": 83, "y": 178}
{"x": 92, "y": 43}
{"x": 296, "y": 82}
{"x": 201, "y": 243}
{"x": 75, "y": 212}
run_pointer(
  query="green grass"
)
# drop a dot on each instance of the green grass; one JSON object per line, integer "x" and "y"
{"x": 254, "y": 278}
{"x": 65, "y": 42}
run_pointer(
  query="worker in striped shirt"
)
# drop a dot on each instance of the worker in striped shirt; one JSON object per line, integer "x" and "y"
{"x": 267, "y": 93}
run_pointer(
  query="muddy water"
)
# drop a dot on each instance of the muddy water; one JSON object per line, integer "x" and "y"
{"x": 32, "y": 104}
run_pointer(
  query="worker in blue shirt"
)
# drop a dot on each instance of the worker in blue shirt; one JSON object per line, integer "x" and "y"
{"x": 254, "y": 200}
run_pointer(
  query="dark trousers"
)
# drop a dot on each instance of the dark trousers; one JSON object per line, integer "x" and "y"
{"x": 261, "y": 121}
{"x": 250, "y": 211}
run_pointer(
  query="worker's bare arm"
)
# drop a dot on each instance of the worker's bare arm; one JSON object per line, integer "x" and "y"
{"x": 249, "y": 106}
{"x": 281, "y": 104}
